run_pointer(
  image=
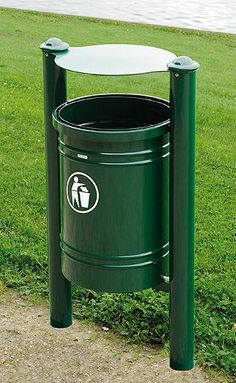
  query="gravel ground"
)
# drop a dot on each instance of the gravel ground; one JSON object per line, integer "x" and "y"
{"x": 32, "y": 351}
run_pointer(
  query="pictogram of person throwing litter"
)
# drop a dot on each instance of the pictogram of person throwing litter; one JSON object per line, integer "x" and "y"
{"x": 79, "y": 194}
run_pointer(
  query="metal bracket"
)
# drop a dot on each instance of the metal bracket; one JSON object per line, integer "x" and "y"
{"x": 164, "y": 285}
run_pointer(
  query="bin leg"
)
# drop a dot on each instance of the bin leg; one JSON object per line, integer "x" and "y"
{"x": 182, "y": 158}
{"x": 54, "y": 95}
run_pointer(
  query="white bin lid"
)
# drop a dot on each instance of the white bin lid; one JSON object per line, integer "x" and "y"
{"x": 114, "y": 59}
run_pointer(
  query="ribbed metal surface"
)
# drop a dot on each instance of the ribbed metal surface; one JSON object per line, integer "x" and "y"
{"x": 119, "y": 244}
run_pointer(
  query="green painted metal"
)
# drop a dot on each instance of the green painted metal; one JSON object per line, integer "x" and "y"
{"x": 182, "y": 170}
{"x": 117, "y": 210}
{"x": 115, "y": 59}
{"x": 120, "y": 240}
{"x": 54, "y": 95}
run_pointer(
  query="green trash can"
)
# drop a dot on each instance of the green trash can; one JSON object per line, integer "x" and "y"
{"x": 120, "y": 183}
{"x": 114, "y": 166}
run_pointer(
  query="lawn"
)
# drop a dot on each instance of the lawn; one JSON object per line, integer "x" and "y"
{"x": 23, "y": 243}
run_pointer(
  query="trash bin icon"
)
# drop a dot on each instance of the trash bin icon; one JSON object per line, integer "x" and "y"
{"x": 84, "y": 197}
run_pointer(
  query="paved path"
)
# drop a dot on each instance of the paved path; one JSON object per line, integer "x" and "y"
{"x": 31, "y": 351}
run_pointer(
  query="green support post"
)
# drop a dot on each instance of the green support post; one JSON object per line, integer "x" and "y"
{"x": 54, "y": 95}
{"x": 182, "y": 158}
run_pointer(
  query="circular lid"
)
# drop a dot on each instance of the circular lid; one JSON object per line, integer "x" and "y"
{"x": 115, "y": 59}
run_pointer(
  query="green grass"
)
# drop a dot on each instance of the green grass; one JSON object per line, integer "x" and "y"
{"x": 23, "y": 251}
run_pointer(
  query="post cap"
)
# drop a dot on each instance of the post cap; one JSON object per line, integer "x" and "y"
{"x": 183, "y": 64}
{"x": 54, "y": 44}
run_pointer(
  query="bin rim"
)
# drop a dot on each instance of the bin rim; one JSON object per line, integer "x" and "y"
{"x": 134, "y": 134}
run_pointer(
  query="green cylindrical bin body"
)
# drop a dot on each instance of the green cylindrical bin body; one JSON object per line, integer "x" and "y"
{"x": 114, "y": 171}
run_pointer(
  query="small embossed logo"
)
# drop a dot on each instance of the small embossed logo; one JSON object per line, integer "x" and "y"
{"x": 83, "y": 156}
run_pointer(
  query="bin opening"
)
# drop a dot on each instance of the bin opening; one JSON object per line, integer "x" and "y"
{"x": 114, "y": 112}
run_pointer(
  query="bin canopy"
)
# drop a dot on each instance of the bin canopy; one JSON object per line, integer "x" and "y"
{"x": 114, "y": 59}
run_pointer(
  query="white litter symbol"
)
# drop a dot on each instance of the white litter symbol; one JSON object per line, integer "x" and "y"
{"x": 82, "y": 192}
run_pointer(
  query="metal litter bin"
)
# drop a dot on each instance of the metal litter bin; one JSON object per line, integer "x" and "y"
{"x": 120, "y": 183}
{"x": 117, "y": 146}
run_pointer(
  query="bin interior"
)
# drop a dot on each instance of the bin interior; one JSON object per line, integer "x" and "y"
{"x": 114, "y": 112}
